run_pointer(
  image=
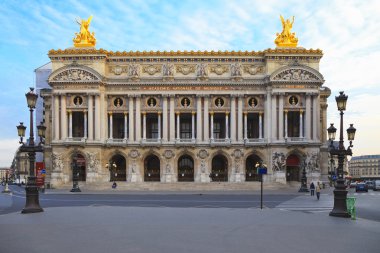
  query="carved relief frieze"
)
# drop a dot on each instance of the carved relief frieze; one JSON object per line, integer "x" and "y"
{"x": 151, "y": 69}
{"x": 168, "y": 69}
{"x": 118, "y": 70}
{"x": 75, "y": 75}
{"x": 134, "y": 70}
{"x": 185, "y": 69}
{"x": 218, "y": 69}
{"x": 202, "y": 71}
{"x": 236, "y": 69}
{"x": 296, "y": 75}
{"x": 278, "y": 161}
{"x": 93, "y": 162}
{"x": 253, "y": 69}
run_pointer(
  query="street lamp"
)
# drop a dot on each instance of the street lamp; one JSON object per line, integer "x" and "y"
{"x": 340, "y": 192}
{"x": 74, "y": 167}
{"x": 112, "y": 166}
{"x": 303, "y": 187}
{"x": 32, "y": 204}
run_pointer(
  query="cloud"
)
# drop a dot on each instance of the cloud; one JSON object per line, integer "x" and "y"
{"x": 8, "y": 149}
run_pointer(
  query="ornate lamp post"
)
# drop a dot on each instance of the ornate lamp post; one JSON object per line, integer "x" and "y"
{"x": 32, "y": 198}
{"x": 74, "y": 167}
{"x": 340, "y": 192}
{"x": 303, "y": 187}
{"x": 112, "y": 167}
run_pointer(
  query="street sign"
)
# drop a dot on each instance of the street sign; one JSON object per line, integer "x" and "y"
{"x": 43, "y": 171}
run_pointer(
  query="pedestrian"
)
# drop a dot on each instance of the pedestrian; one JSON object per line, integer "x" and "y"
{"x": 312, "y": 188}
{"x": 114, "y": 185}
{"x": 318, "y": 191}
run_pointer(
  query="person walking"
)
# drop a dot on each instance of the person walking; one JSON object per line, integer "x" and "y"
{"x": 318, "y": 191}
{"x": 312, "y": 188}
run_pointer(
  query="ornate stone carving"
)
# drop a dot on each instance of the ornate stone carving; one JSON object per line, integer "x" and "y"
{"x": 296, "y": 75}
{"x": 93, "y": 162}
{"x": 134, "y": 70}
{"x": 151, "y": 69}
{"x": 57, "y": 162}
{"x": 278, "y": 161}
{"x": 311, "y": 161}
{"x": 238, "y": 154}
{"x": 203, "y": 154}
{"x": 203, "y": 166}
{"x": 168, "y": 154}
{"x": 168, "y": 69}
{"x": 134, "y": 153}
{"x": 253, "y": 69}
{"x": 75, "y": 75}
{"x": 185, "y": 69}
{"x": 219, "y": 69}
{"x": 118, "y": 70}
{"x": 236, "y": 69}
{"x": 202, "y": 70}
{"x": 168, "y": 169}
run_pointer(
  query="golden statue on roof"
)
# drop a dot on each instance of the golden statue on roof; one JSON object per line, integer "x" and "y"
{"x": 286, "y": 38}
{"x": 84, "y": 38}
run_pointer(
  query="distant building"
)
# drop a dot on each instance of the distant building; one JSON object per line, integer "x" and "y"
{"x": 365, "y": 167}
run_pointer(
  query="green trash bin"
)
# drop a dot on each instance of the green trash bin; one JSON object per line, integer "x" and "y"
{"x": 350, "y": 201}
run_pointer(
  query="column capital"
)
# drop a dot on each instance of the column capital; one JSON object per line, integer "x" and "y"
{"x": 301, "y": 111}
{"x": 165, "y": 95}
{"x": 159, "y": 113}
{"x": 193, "y": 112}
{"x": 110, "y": 113}
{"x": 84, "y": 111}
{"x": 227, "y": 113}
{"x": 143, "y": 113}
{"x": 211, "y": 112}
{"x": 69, "y": 111}
{"x": 286, "y": 111}
{"x": 261, "y": 113}
{"x": 245, "y": 113}
{"x": 234, "y": 95}
{"x": 126, "y": 113}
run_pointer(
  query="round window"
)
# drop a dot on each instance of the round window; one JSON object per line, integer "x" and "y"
{"x": 118, "y": 102}
{"x": 252, "y": 102}
{"x": 219, "y": 102}
{"x": 78, "y": 100}
{"x": 185, "y": 102}
{"x": 152, "y": 102}
{"x": 293, "y": 100}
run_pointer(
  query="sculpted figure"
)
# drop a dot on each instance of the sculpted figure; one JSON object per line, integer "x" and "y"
{"x": 286, "y": 38}
{"x": 84, "y": 38}
{"x": 236, "y": 69}
{"x": 201, "y": 70}
{"x": 168, "y": 69}
{"x": 278, "y": 161}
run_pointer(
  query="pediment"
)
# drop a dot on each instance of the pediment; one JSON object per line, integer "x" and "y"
{"x": 75, "y": 73}
{"x": 298, "y": 73}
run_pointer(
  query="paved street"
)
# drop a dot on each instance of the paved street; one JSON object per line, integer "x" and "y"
{"x": 200, "y": 222}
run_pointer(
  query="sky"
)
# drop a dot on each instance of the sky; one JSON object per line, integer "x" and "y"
{"x": 347, "y": 31}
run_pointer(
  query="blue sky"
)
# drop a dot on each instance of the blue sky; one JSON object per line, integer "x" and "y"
{"x": 347, "y": 32}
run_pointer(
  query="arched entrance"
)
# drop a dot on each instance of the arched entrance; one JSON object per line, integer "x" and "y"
{"x": 152, "y": 168}
{"x": 219, "y": 169}
{"x": 185, "y": 169}
{"x": 118, "y": 168}
{"x": 250, "y": 168}
{"x": 293, "y": 168}
{"x": 80, "y": 162}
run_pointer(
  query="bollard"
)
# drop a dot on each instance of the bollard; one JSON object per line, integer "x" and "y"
{"x": 350, "y": 201}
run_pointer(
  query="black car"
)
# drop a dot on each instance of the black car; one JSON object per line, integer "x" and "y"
{"x": 361, "y": 187}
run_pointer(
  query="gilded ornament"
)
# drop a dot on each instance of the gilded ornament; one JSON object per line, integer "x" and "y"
{"x": 286, "y": 38}
{"x": 84, "y": 38}
{"x": 186, "y": 69}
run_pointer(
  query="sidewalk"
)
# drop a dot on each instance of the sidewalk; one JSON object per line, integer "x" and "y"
{"x": 136, "y": 229}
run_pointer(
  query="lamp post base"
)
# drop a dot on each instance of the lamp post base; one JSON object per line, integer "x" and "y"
{"x": 6, "y": 189}
{"x": 340, "y": 196}
{"x": 75, "y": 190}
{"x": 303, "y": 189}
{"x": 32, "y": 197}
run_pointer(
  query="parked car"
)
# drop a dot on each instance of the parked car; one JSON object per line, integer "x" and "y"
{"x": 376, "y": 185}
{"x": 370, "y": 184}
{"x": 361, "y": 187}
{"x": 352, "y": 184}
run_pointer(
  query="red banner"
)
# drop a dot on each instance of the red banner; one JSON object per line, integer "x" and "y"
{"x": 40, "y": 173}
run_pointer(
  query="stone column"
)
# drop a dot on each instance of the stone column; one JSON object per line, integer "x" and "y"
{"x": 90, "y": 118}
{"x": 301, "y": 123}
{"x": 227, "y": 122}
{"x": 125, "y": 125}
{"x": 286, "y": 123}
{"x": 245, "y": 126}
{"x": 171, "y": 120}
{"x": 324, "y": 122}
{"x": 138, "y": 119}
{"x": 63, "y": 118}
{"x": 70, "y": 124}
{"x": 274, "y": 117}
{"x": 159, "y": 125}
{"x": 206, "y": 127}
{"x": 267, "y": 113}
{"x": 308, "y": 117}
{"x": 281, "y": 118}
{"x": 315, "y": 118}
{"x": 110, "y": 126}
{"x": 97, "y": 117}
{"x": 192, "y": 125}
{"x": 56, "y": 118}
{"x": 240, "y": 119}
{"x": 165, "y": 118}
{"x": 178, "y": 126}
{"x": 260, "y": 125}
{"x": 144, "y": 125}
{"x": 131, "y": 135}
{"x": 85, "y": 124}
{"x": 318, "y": 139}
{"x": 199, "y": 118}
{"x": 233, "y": 118}
{"x": 212, "y": 126}
{"x": 103, "y": 116}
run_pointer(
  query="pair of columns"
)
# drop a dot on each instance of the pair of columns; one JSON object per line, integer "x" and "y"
{"x": 111, "y": 125}
{"x": 246, "y": 125}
